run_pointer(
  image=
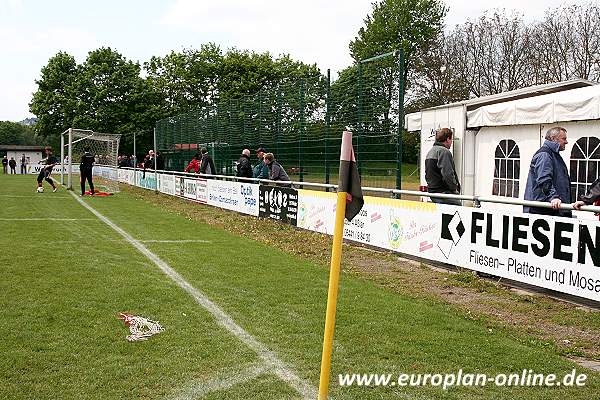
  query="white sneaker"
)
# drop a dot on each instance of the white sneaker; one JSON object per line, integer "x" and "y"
{"x": 54, "y": 190}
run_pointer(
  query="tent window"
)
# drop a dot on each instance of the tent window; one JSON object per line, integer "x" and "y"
{"x": 507, "y": 169}
{"x": 585, "y": 165}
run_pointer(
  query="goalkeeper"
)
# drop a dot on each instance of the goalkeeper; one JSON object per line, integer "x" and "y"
{"x": 86, "y": 167}
{"x": 50, "y": 162}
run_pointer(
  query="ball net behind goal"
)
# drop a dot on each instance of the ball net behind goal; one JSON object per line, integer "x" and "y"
{"x": 105, "y": 149}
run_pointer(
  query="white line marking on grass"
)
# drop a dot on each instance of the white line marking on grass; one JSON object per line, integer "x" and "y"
{"x": 176, "y": 241}
{"x": 36, "y": 196}
{"x": 224, "y": 380}
{"x": 47, "y": 219}
{"x": 275, "y": 365}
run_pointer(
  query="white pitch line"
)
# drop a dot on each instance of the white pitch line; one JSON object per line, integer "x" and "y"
{"x": 47, "y": 219}
{"x": 37, "y": 196}
{"x": 224, "y": 380}
{"x": 278, "y": 367}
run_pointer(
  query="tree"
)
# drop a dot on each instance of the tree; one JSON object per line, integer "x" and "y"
{"x": 54, "y": 101}
{"x": 112, "y": 97}
{"x": 438, "y": 75}
{"x": 372, "y": 88}
{"x": 188, "y": 79}
{"x": 15, "y": 133}
{"x": 409, "y": 25}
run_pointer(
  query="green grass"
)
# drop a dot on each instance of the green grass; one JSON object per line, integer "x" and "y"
{"x": 63, "y": 283}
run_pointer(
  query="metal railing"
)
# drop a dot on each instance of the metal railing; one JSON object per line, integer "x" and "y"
{"x": 477, "y": 200}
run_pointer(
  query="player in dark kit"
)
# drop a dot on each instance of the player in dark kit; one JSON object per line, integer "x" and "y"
{"x": 50, "y": 162}
{"x": 85, "y": 168}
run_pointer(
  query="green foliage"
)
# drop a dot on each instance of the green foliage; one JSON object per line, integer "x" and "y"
{"x": 54, "y": 101}
{"x": 15, "y": 133}
{"x": 187, "y": 79}
{"x": 411, "y": 146}
{"x": 394, "y": 24}
{"x": 193, "y": 79}
{"x": 105, "y": 93}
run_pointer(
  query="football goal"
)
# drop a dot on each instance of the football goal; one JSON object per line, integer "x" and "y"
{"x": 105, "y": 149}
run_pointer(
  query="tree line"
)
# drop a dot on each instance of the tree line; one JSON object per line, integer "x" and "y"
{"x": 500, "y": 51}
{"x": 497, "y": 52}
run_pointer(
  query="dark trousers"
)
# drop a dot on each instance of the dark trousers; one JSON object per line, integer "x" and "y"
{"x": 452, "y": 202}
{"x": 45, "y": 175}
{"x": 13, "y": 170}
{"x": 23, "y": 169}
{"x": 86, "y": 174}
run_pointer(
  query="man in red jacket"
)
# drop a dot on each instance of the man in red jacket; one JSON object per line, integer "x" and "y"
{"x": 194, "y": 164}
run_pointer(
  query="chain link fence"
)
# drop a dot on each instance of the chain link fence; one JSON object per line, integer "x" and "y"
{"x": 301, "y": 122}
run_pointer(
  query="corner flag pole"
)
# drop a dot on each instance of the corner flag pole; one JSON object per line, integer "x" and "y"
{"x": 348, "y": 191}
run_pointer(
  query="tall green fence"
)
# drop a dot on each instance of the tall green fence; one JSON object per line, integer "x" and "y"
{"x": 301, "y": 122}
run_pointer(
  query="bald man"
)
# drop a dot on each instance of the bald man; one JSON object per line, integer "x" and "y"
{"x": 244, "y": 169}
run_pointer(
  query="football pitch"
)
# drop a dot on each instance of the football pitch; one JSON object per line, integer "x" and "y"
{"x": 241, "y": 319}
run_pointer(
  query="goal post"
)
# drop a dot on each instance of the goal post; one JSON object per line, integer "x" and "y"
{"x": 105, "y": 149}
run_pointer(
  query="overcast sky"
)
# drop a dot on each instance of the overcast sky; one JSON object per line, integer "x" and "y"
{"x": 312, "y": 31}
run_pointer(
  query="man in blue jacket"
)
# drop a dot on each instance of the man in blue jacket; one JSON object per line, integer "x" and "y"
{"x": 548, "y": 179}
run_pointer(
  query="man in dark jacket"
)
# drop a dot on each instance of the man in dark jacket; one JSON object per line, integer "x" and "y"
{"x": 244, "y": 169}
{"x": 86, "y": 167}
{"x": 23, "y": 164}
{"x": 440, "y": 172}
{"x": 149, "y": 162}
{"x": 548, "y": 179}
{"x": 207, "y": 166}
{"x": 276, "y": 171}
{"x": 260, "y": 171}
{"x": 13, "y": 165}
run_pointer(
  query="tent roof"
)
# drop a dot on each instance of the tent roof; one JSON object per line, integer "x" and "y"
{"x": 570, "y": 105}
{"x": 7, "y": 147}
{"x": 529, "y": 91}
{"x": 413, "y": 120}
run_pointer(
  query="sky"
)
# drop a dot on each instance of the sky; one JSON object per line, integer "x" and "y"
{"x": 313, "y": 31}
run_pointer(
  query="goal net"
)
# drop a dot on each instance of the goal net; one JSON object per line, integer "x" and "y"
{"x": 105, "y": 149}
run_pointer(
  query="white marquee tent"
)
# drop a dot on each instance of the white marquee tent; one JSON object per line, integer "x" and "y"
{"x": 496, "y": 136}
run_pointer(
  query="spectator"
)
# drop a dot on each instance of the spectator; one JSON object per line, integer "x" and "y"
{"x": 150, "y": 160}
{"x": 194, "y": 164}
{"x": 207, "y": 166}
{"x": 160, "y": 162}
{"x": 548, "y": 179}
{"x": 260, "y": 171}
{"x": 13, "y": 165}
{"x": 440, "y": 172}
{"x": 5, "y": 164}
{"x": 591, "y": 197}
{"x": 244, "y": 169}
{"x": 276, "y": 171}
{"x": 23, "y": 164}
{"x": 132, "y": 161}
{"x": 124, "y": 161}
{"x": 148, "y": 163}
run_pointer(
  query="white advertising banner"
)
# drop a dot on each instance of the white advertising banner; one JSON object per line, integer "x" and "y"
{"x": 235, "y": 196}
{"x": 36, "y": 168}
{"x": 146, "y": 180}
{"x": 166, "y": 183}
{"x": 561, "y": 254}
{"x": 126, "y": 176}
{"x": 201, "y": 191}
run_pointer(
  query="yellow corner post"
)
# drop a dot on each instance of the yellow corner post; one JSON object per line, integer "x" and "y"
{"x": 334, "y": 278}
